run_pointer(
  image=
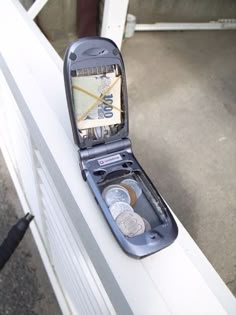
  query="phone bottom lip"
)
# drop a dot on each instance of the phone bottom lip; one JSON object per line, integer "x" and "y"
{"x": 144, "y": 250}
{"x": 159, "y": 237}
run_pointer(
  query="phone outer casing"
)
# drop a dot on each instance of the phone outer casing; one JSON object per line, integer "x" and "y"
{"x": 109, "y": 160}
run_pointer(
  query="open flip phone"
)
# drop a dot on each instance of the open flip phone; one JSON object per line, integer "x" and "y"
{"x": 97, "y": 99}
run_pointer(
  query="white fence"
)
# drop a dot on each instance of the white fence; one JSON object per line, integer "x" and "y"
{"x": 89, "y": 272}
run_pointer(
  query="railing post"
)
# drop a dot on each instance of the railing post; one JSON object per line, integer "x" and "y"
{"x": 36, "y": 8}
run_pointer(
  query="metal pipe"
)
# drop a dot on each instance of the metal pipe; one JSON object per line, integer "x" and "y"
{"x": 227, "y": 24}
{"x": 13, "y": 239}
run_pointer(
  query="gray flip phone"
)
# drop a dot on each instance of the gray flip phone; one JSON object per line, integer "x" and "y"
{"x": 107, "y": 162}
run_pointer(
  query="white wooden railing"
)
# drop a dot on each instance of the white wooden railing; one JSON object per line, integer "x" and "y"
{"x": 89, "y": 272}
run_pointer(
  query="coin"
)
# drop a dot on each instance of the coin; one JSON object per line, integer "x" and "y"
{"x": 133, "y": 184}
{"x": 119, "y": 207}
{"x": 101, "y": 132}
{"x": 132, "y": 194}
{"x": 130, "y": 223}
{"x": 147, "y": 225}
{"x": 114, "y": 193}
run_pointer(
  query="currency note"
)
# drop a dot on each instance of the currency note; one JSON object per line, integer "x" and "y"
{"x": 97, "y": 100}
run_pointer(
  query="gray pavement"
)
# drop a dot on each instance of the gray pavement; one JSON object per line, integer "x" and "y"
{"x": 182, "y": 113}
{"x": 24, "y": 286}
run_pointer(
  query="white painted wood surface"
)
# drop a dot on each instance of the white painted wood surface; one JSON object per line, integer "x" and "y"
{"x": 113, "y": 21}
{"x": 36, "y": 8}
{"x": 89, "y": 272}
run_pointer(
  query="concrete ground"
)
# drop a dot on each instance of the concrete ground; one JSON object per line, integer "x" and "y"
{"x": 182, "y": 106}
{"x": 24, "y": 286}
{"x": 182, "y": 113}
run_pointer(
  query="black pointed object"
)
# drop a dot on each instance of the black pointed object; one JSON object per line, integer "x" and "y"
{"x": 14, "y": 237}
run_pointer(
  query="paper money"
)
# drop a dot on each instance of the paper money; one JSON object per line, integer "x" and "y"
{"x": 97, "y": 100}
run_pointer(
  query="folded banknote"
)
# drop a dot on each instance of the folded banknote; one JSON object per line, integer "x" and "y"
{"x": 94, "y": 97}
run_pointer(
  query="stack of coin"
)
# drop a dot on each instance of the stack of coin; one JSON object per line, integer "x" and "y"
{"x": 130, "y": 223}
{"x": 120, "y": 199}
{"x": 115, "y": 193}
{"x": 118, "y": 207}
{"x": 134, "y": 185}
{"x": 132, "y": 194}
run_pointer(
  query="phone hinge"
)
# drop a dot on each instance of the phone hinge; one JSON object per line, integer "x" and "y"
{"x": 104, "y": 149}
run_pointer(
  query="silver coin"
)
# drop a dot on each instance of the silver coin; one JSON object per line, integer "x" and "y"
{"x": 99, "y": 132}
{"x": 115, "y": 193}
{"x": 132, "y": 183}
{"x": 130, "y": 223}
{"x": 147, "y": 225}
{"x": 119, "y": 207}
